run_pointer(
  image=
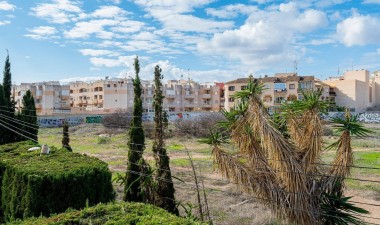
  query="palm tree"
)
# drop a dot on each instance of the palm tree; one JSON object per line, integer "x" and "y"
{"x": 282, "y": 170}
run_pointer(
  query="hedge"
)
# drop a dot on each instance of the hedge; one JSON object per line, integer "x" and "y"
{"x": 115, "y": 214}
{"x": 34, "y": 184}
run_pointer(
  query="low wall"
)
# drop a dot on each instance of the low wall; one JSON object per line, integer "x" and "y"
{"x": 366, "y": 117}
{"x": 57, "y": 121}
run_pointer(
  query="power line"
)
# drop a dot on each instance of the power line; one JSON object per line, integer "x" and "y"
{"x": 32, "y": 126}
{"x": 18, "y": 133}
{"x": 18, "y": 128}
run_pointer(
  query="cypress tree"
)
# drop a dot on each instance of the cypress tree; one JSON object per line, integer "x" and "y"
{"x": 8, "y": 107}
{"x": 165, "y": 187}
{"x": 29, "y": 116}
{"x": 66, "y": 138}
{"x": 2, "y": 104}
{"x": 136, "y": 144}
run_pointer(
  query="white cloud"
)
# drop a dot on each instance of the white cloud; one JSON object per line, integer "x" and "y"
{"x": 325, "y": 41}
{"x": 4, "y": 5}
{"x": 84, "y": 79}
{"x": 129, "y": 26}
{"x": 95, "y": 52}
{"x": 171, "y": 13}
{"x": 109, "y": 12}
{"x": 60, "y": 11}
{"x": 85, "y": 29}
{"x": 267, "y": 37}
{"x": 359, "y": 30}
{"x": 231, "y": 11}
{"x": 190, "y": 23}
{"x": 4, "y": 22}
{"x": 42, "y": 32}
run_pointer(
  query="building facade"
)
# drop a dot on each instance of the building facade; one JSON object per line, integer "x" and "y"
{"x": 278, "y": 89}
{"x": 355, "y": 90}
{"x": 51, "y": 98}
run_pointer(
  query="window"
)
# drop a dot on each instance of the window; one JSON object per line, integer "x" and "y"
{"x": 108, "y": 85}
{"x": 115, "y": 85}
{"x": 115, "y": 90}
{"x": 231, "y": 99}
{"x": 231, "y": 88}
{"x": 245, "y": 87}
{"x": 100, "y": 96}
{"x": 292, "y": 86}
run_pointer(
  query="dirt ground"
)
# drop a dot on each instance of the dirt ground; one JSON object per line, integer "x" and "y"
{"x": 227, "y": 205}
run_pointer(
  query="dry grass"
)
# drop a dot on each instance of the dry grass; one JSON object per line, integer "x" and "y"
{"x": 225, "y": 208}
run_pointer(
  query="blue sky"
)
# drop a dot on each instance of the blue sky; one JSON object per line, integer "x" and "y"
{"x": 210, "y": 40}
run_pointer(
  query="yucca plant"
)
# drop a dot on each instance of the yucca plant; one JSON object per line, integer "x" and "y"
{"x": 277, "y": 157}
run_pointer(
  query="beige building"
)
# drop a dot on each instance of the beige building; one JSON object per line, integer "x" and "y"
{"x": 51, "y": 98}
{"x": 101, "y": 96}
{"x": 190, "y": 96}
{"x": 355, "y": 90}
{"x": 278, "y": 89}
{"x": 106, "y": 96}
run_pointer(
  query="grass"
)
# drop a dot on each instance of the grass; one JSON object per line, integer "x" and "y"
{"x": 120, "y": 213}
{"x": 115, "y": 152}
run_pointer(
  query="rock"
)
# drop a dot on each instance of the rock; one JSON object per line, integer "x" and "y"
{"x": 45, "y": 149}
{"x": 34, "y": 149}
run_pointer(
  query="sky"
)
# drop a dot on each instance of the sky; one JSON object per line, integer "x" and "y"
{"x": 204, "y": 40}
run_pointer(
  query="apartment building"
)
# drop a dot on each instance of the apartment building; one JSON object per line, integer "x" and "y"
{"x": 106, "y": 96}
{"x": 101, "y": 96}
{"x": 190, "y": 96}
{"x": 51, "y": 97}
{"x": 278, "y": 89}
{"x": 355, "y": 90}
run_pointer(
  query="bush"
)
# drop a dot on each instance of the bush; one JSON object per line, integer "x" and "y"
{"x": 34, "y": 185}
{"x": 120, "y": 119}
{"x": 198, "y": 127}
{"x": 103, "y": 139}
{"x": 121, "y": 213}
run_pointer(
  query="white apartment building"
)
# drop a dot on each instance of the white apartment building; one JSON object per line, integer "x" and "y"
{"x": 51, "y": 98}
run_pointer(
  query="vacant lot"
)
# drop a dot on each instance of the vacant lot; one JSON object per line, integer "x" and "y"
{"x": 227, "y": 204}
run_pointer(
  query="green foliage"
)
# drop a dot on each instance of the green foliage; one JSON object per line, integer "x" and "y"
{"x": 115, "y": 214}
{"x": 165, "y": 187}
{"x": 34, "y": 184}
{"x": 29, "y": 116}
{"x": 103, "y": 140}
{"x": 254, "y": 88}
{"x": 132, "y": 189}
{"x": 7, "y": 106}
{"x": 337, "y": 210}
{"x": 66, "y": 138}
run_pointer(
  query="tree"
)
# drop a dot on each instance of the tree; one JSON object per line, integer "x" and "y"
{"x": 8, "y": 106}
{"x": 29, "y": 116}
{"x": 66, "y": 138}
{"x": 165, "y": 187}
{"x": 2, "y": 104}
{"x": 284, "y": 171}
{"x": 136, "y": 143}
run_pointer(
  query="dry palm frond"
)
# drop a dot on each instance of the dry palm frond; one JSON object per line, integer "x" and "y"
{"x": 283, "y": 156}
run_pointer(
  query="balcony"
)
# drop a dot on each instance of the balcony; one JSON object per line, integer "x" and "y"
{"x": 206, "y": 88}
{"x": 171, "y": 105}
{"x": 190, "y": 96}
{"x": 206, "y": 105}
{"x": 332, "y": 93}
{"x": 170, "y": 96}
{"x": 206, "y": 96}
{"x": 189, "y": 105}
{"x": 280, "y": 91}
{"x": 64, "y": 97}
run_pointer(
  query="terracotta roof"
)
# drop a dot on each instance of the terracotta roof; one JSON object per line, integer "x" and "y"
{"x": 273, "y": 79}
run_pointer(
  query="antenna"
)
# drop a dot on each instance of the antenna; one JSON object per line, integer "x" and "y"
{"x": 338, "y": 71}
{"x": 295, "y": 67}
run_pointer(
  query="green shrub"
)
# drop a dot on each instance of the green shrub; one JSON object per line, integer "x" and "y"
{"x": 116, "y": 214}
{"x": 103, "y": 140}
{"x": 34, "y": 184}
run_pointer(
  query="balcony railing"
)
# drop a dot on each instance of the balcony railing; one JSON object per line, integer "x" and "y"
{"x": 190, "y": 96}
{"x": 170, "y": 96}
{"x": 206, "y": 96}
{"x": 280, "y": 90}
